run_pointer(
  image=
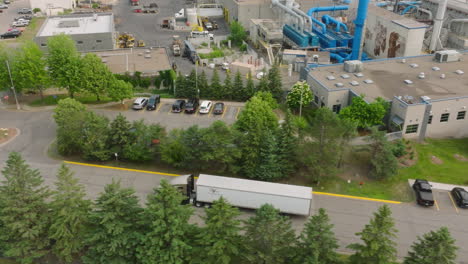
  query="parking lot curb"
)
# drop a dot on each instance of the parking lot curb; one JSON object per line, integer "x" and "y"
{"x": 358, "y": 197}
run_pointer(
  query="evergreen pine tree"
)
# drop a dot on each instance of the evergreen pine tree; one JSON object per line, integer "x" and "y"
{"x": 378, "y": 237}
{"x": 70, "y": 214}
{"x": 249, "y": 88}
{"x": 227, "y": 92}
{"x": 203, "y": 85}
{"x": 434, "y": 247}
{"x": 115, "y": 226}
{"x": 181, "y": 86}
{"x": 275, "y": 85}
{"x": 287, "y": 146}
{"x": 216, "y": 89}
{"x": 192, "y": 83}
{"x": 317, "y": 243}
{"x": 120, "y": 135}
{"x": 263, "y": 85}
{"x": 383, "y": 162}
{"x": 269, "y": 237}
{"x": 238, "y": 87}
{"x": 268, "y": 167}
{"x": 166, "y": 240}
{"x": 220, "y": 240}
{"x": 25, "y": 213}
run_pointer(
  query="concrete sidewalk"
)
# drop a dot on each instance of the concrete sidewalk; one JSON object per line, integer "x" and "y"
{"x": 439, "y": 186}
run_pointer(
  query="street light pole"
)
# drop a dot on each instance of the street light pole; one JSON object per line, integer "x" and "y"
{"x": 12, "y": 86}
{"x": 300, "y": 104}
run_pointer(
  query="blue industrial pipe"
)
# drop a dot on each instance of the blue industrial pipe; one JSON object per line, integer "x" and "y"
{"x": 407, "y": 9}
{"x": 346, "y": 1}
{"x": 336, "y": 57}
{"x": 359, "y": 28}
{"x": 382, "y": 4}
{"x": 409, "y": 3}
{"x": 331, "y": 20}
{"x": 326, "y": 8}
{"x": 316, "y": 21}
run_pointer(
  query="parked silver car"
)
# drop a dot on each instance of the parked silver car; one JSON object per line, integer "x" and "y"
{"x": 139, "y": 103}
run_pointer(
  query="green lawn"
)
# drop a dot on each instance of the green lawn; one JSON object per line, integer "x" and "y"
{"x": 31, "y": 30}
{"x": 450, "y": 171}
{"x": 83, "y": 98}
{"x": 7, "y": 261}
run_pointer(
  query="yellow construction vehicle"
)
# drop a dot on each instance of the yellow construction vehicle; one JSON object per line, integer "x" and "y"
{"x": 141, "y": 43}
{"x": 126, "y": 40}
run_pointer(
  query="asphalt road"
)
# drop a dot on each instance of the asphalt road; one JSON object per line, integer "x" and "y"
{"x": 348, "y": 215}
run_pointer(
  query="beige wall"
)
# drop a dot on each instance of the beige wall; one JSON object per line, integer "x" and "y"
{"x": 452, "y": 128}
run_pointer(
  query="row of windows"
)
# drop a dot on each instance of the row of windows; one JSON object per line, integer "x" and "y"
{"x": 410, "y": 129}
{"x": 78, "y": 42}
{"x": 445, "y": 117}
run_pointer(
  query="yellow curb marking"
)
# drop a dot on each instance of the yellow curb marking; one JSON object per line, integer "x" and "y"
{"x": 117, "y": 168}
{"x": 453, "y": 202}
{"x": 357, "y": 197}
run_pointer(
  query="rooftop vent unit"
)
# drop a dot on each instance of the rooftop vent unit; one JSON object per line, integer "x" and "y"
{"x": 345, "y": 76}
{"x": 421, "y": 75}
{"x": 331, "y": 77}
{"x": 442, "y": 76}
{"x": 368, "y": 81}
{"x": 95, "y": 17}
{"x": 414, "y": 65}
{"x": 425, "y": 98}
{"x": 354, "y": 83}
{"x": 408, "y": 81}
{"x": 353, "y": 66}
{"x": 459, "y": 72}
{"x": 447, "y": 56}
{"x": 339, "y": 85}
{"x": 68, "y": 24}
{"x": 359, "y": 74}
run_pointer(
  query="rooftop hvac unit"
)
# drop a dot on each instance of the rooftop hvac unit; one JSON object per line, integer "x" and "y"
{"x": 353, "y": 66}
{"x": 447, "y": 56}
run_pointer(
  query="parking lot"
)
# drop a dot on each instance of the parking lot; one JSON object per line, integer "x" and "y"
{"x": 164, "y": 116}
{"x": 444, "y": 203}
{"x": 8, "y": 15}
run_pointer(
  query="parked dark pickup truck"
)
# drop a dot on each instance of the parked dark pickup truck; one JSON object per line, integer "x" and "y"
{"x": 423, "y": 191}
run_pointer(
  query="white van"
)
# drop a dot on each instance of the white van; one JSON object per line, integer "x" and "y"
{"x": 205, "y": 107}
{"x": 201, "y": 34}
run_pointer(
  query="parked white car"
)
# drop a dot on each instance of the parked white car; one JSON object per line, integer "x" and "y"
{"x": 205, "y": 107}
{"x": 140, "y": 103}
{"x": 20, "y": 23}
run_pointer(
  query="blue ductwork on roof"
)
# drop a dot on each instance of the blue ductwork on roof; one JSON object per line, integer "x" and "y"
{"x": 331, "y": 20}
{"x": 408, "y": 8}
{"x": 359, "y": 28}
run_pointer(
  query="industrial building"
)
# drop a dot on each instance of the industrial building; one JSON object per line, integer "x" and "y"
{"x": 428, "y": 93}
{"x": 52, "y": 7}
{"x": 91, "y": 32}
{"x": 244, "y": 10}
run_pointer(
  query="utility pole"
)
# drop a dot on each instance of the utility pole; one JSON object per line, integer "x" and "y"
{"x": 300, "y": 104}
{"x": 12, "y": 86}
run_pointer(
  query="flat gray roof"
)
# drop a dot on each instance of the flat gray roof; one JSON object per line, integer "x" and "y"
{"x": 459, "y": 5}
{"x": 255, "y": 186}
{"x": 149, "y": 61}
{"x": 388, "y": 78}
{"x": 396, "y": 18}
{"x": 77, "y": 24}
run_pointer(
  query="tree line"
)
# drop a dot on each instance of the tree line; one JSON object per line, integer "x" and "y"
{"x": 38, "y": 224}
{"x": 63, "y": 67}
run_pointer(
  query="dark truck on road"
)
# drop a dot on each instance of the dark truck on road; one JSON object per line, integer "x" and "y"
{"x": 423, "y": 191}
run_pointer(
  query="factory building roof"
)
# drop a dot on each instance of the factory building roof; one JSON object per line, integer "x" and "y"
{"x": 77, "y": 24}
{"x": 459, "y": 5}
{"x": 396, "y": 18}
{"x": 393, "y": 77}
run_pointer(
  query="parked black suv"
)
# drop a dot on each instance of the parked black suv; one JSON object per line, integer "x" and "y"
{"x": 191, "y": 106}
{"x": 178, "y": 106}
{"x": 11, "y": 34}
{"x": 153, "y": 102}
{"x": 460, "y": 196}
{"x": 423, "y": 191}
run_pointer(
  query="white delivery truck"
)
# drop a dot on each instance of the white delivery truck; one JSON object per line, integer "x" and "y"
{"x": 290, "y": 199}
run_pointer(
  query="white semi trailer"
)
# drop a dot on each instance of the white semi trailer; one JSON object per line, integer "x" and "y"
{"x": 290, "y": 199}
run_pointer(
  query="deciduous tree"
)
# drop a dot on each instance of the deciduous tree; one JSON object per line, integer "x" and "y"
{"x": 64, "y": 63}
{"x": 300, "y": 95}
{"x": 70, "y": 215}
{"x": 166, "y": 220}
{"x": 25, "y": 215}
{"x": 363, "y": 114}
{"x": 145, "y": 141}
{"x": 269, "y": 237}
{"x": 238, "y": 33}
{"x": 119, "y": 90}
{"x": 317, "y": 243}
{"x": 116, "y": 225}
{"x": 95, "y": 76}
{"x": 378, "y": 237}
{"x": 121, "y": 134}
{"x": 69, "y": 116}
{"x": 95, "y": 135}
{"x": 433, "y": 247}
{"x": 383, "y": 163}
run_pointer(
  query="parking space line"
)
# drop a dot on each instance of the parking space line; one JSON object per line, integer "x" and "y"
{"x": 224, "y": 112}
{"x": 237, "y": 114}
{"x": 436, "y": 204}
{"x": 451, "y": 199}
{"x": 159, "y": 107}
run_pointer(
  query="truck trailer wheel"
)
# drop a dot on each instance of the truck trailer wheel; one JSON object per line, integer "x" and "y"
{"x": 198, "y": 204}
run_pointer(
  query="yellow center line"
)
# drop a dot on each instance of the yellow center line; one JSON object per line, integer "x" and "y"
{"x": 238, "y": 110}
{"x": 118, "y": 168}
{"x": 357, "y": 197}
{"x": 453, "y": 202}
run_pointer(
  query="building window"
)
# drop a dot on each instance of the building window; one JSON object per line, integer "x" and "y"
{"x": 79, "y": 42}
{"x": 429, "y": 121}
{"x": 410, "y": 129}
{"x": 43, "y": 45}
{"x": 336, "y": 108}
{"x": 98, "y": 40}
{"x": 444, "y": 117}
{"x": 316, "y": 99}
{"x": 461, "y": 115}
